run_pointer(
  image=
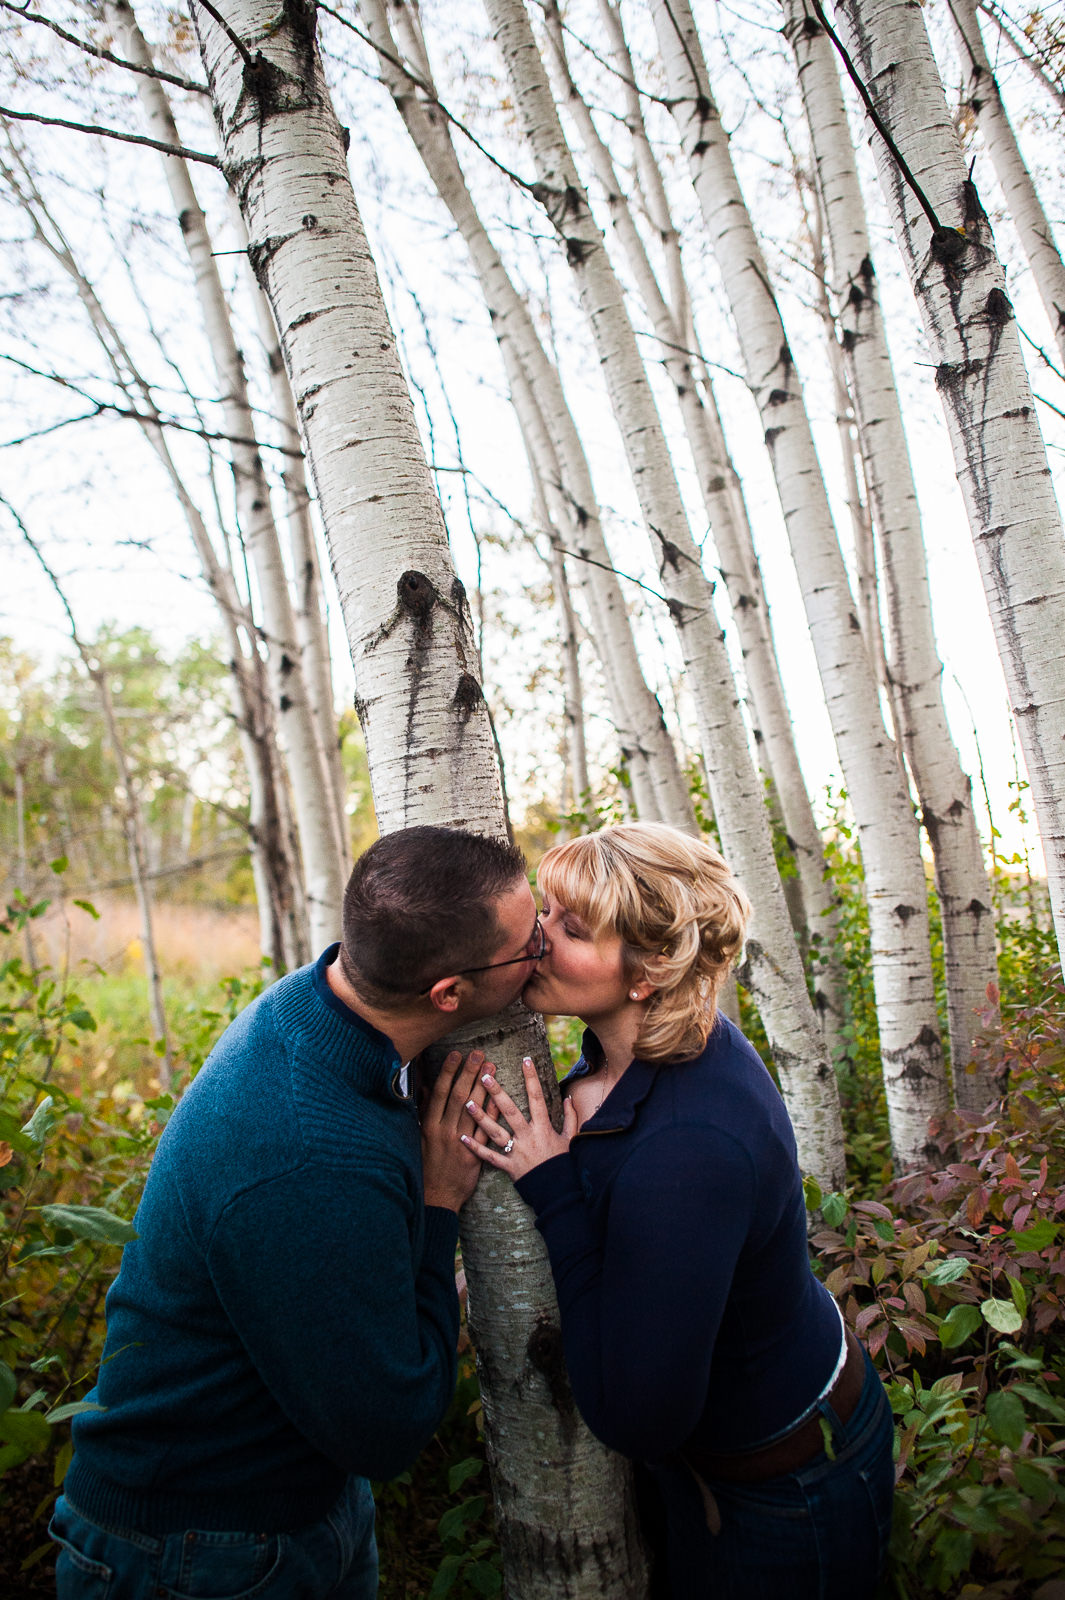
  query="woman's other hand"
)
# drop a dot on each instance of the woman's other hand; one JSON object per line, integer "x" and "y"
{"x": 520, "y": 1144}
{"x": 450, "y": 1168}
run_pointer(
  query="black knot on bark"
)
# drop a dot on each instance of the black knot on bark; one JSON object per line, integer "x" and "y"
{"x": 998, "y": 308}
{"x": 867, "y": 270}
{"x": 928, "y": 1037}
{"x": 286, "y": 665}
{"x": 849, "y": 339}
{"x": 904, "y": 913}
{"x": 458, "y": 593}
{"x": 186, "y": 219}
{"x": 577, "y": 252}
{"x": 544, "y": 1351}
{"x": 948, "y": 243}
{"x": 855, "y": 296}
{"x": 468, "y": 696}
{"x": 345, "y": 139}
{"x": 309, "y": 221}
{"x": 810, "y": 26}
{"x": 777, "y": 397}
{"x": 416, "y": 593}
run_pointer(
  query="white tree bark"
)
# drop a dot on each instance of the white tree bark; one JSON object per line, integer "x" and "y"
{"x": 814, "y": 915}
{"x": 320, "y": 843}
{"x": 658, "y": 785}
{"x": 560, "y": 1497}
{"x": 773, "y": 969}
{"x": 914, "y": 1072}
{"x": 1025, "y": 209}
{"x": 915, "y": 669}
{"x": 998, "y": 449}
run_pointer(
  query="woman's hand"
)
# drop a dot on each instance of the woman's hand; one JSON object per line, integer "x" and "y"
{"x": 449, "y": 1166}
{"x": 521, "y": 1145}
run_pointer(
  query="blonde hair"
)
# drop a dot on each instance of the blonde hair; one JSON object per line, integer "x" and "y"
{"x": 680, "y": 914}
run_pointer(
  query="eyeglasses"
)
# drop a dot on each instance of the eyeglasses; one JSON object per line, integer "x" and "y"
{"x": 537, "y": 937}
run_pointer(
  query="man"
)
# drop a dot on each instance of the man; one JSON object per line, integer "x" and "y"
{"x": 284, "y": 1326}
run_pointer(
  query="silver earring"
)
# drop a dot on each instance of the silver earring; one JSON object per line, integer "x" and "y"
{"x": 634, "y": 994}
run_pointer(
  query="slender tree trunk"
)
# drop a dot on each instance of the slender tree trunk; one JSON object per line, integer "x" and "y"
{"x": 998, "y": 449}
{"x": 320, "y": 843}
{"x": 773, "y": 969}
{"x": 1025, "y": 209}
{"x": 914, "y": 1071}
{"x": 572, "y": 692}
{"x": 21, "y": 862}
{"x": 812, "y": 907}
{"x": 282, "y": 926}
{"x": 915, "y": 669}
{"x": 564, "y": 1518}
{"x": 552, "y": 441}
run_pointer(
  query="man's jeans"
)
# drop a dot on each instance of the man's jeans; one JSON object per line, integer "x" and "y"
{"x": 336, "y": 1558}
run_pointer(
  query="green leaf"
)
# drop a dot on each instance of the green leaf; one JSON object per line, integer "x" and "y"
{"x": 884, "y": 1230}
{"x": 73, "y": 1408}
{"x": 1039, "y": 1397}
{"x": 484, "y": 1578}
{"x": 62, "y": 1461}
{"x": 1005, "y": 1416}
{"x": 90, "y": 1222}
{"x": 454, "y": 1522}
{"x": 27, "y": 1429}
{"x": 948, "y": 1271}
{"x": 811, "y": 1193}
{"x": 1020, "y": 1298}
{"x": 8, "y": 1386}
{"x": 60, "y": 864}
{"x": 82, "y": 1018}
{"x": 834, "y": 1209}
{"x": 41, "y": 1123}
{"x": 87, "y": 905}
{"x": 1037, "y": 1237}
{"x": 1002, "y": 1315}
{"x": 959, "y": 1324}
{"x": 462, "y": 1472}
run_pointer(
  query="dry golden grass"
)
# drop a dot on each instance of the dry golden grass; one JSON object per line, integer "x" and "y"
{"x": 197, "y": 942}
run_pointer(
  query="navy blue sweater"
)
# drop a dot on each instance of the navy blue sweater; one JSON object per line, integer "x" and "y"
{"x": 676, "y": 1230}
{"x": 287, "y": 1314}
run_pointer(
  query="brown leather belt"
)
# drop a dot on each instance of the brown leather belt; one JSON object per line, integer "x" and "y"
{"x": 797, "y": 1447}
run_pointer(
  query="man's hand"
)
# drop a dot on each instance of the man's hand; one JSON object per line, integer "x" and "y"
{"x": 450, "y": 1167}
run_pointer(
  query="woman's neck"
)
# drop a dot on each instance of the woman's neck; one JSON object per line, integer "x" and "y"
{"x": 617, "y": 1040}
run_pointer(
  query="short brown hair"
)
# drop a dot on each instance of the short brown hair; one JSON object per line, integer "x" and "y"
{"x": 680, "y": 914}
{"x": 420, "y": 903}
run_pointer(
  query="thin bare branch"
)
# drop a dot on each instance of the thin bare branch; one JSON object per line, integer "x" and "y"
{"x": 110, "y": 133}
{"x": 105, "y": 55}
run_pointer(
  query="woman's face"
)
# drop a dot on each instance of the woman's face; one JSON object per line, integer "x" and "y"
{"x": 578, "y": 976}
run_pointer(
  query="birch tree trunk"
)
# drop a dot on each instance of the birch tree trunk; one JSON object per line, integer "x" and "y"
{"x": 1025, "y": 209}
{"x": 550, "y": 434}
{"x": 814, "y": 916}
{"x": 773, "y": 970}
{"x": 321, "y": 845}
{"x": 987, "y": 400}
{"x": 914, "y": 1072}
{"x": 915, "y": 669}
{"x": 563, "y": 1511}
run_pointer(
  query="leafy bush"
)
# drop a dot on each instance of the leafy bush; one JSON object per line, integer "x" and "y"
{"x": 956, "y": 1282}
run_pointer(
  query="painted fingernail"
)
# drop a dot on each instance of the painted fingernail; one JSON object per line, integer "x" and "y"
{"x": 488, "y": 1079}
{"x": 470, "y": 1106}
{"x": 527, "y": 1061}
{"x": 463, "y": 1139}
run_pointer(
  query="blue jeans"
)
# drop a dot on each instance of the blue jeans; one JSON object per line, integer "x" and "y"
{"x": 820, "y": 1533}
{"x": 336, "y": 1558}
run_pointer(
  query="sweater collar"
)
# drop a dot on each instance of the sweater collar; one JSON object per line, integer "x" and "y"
{"x": 352, "y": 1047}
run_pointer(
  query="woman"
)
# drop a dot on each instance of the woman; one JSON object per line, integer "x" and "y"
{"x": 697, "y": 1339}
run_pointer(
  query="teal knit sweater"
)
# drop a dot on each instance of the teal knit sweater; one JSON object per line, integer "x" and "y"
{"x": 287, "y": 1314}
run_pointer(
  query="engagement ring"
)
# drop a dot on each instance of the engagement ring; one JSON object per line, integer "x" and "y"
{"x": 508, "y": 1147}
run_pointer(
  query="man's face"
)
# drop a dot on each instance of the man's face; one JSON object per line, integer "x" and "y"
{"x": 494, "y": 989}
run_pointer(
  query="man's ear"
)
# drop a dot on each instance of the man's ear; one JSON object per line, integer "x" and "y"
{"x": 447, "y": 993}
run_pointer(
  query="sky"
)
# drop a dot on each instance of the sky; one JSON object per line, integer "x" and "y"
{"x": 92, "y": 494}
